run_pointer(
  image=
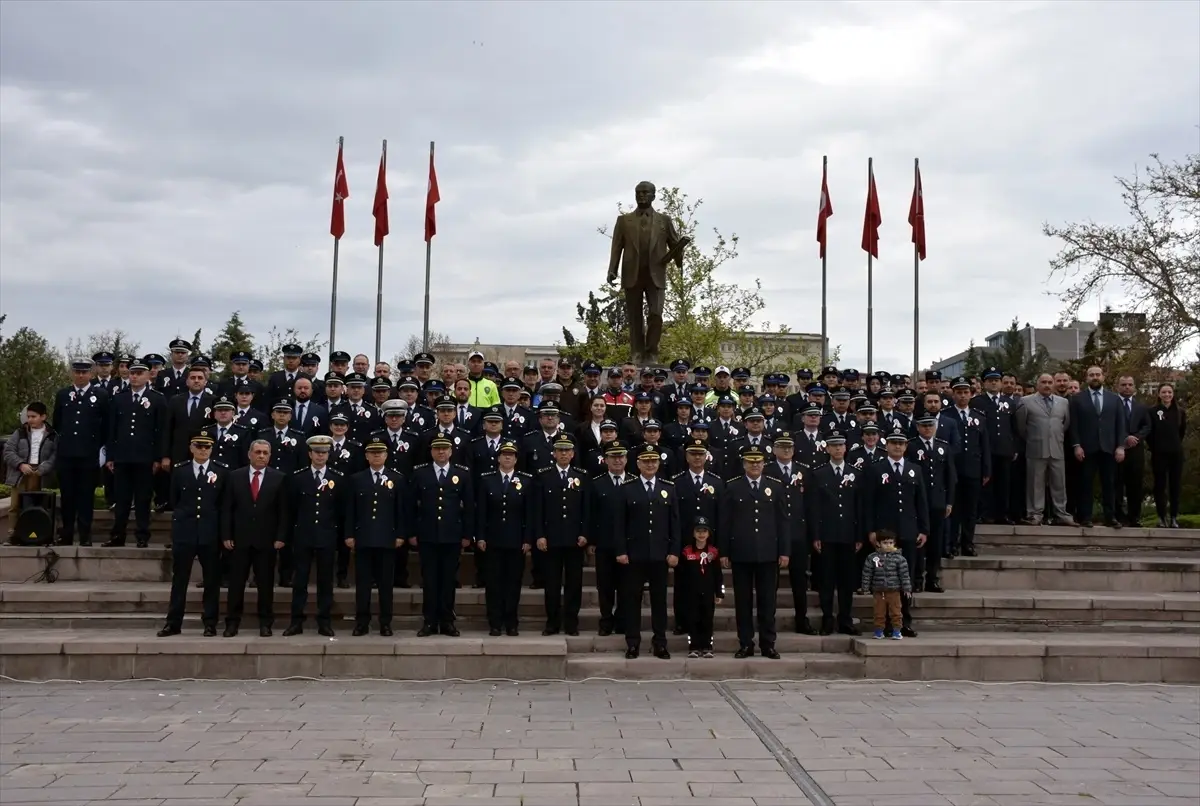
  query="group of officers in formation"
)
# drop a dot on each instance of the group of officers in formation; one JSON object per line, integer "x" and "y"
{"x": 643, "y": 470}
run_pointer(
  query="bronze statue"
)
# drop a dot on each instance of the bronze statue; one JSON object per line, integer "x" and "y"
{"x": 643, "y": 242}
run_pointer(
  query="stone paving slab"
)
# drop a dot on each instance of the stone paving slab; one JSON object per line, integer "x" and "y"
{"x": 585, "y": 744}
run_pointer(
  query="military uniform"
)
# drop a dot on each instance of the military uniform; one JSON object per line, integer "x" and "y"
{"x": 231, "y": 444}
{"x": 999, "y": 412}
{"x": 443, "y": 521}
{"x": 317, "y": 505}
{"x": 503, "y": 514}
{"x": 941, "y": 478}
{"x": 376, "y": 520}
{"x": 608, "y": 505}
{"x": 80, "y": 420}
{"x": 973, "y": 464}
{"x": 560, "y": 514}
{"x": 347, "y": 457}
{"x": 834, "y": 501}
{"x": 792, "y": 476}
{"x": 196, "y": 491}
{"x": 135, "y": 431}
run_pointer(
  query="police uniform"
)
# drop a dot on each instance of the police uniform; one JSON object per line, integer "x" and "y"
{"x": 647, "y": 534}
{"x": 279, "y": 385}
{"x": 834, "y": 501}
{"x": 80, "y": 420}
{"x": 443, "y": 524}
{"x": 608, "y": 506}
{"x": 941, "y": 478}
{"x": 504, "y": 517}
{"x": 239, "y": 362}
{"x": 136, "y": 424}
{"x": 460, "y": 438}
{"x": 482, "y": 454}
{"x": 734, "y": 448}
{"x": 197, "y": 487}
{"x": 999, "y": 415}
{"x": 317, "y": 505}
{"x": 172, "y": 380}
{"x": 346, "y": 456}
{"x": 309, "y": 363}
{"x": 231, "y": 443}
{"x": 364, "y": 417}
{"x": 699, "y": 497}
{"x": 973, "y": 464}
{"x": 793, "y": 477}
{"x": 753, "y": 534}
{"x": 377, "y": 522}
{"x": 560, "y": 512}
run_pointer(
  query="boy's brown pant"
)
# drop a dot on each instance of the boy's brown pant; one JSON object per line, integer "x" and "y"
{"x": 887, "y": 604}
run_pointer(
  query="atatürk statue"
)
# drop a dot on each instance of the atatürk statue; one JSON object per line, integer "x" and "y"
{"x": 643, "y": 242}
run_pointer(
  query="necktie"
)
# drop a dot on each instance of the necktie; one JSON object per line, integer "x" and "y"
{"x": 254, "y": 485}
{"x": 564, "y": 476}
{"x": 698, "y": 481}
{"x": 837, "y": 471}
{"x": 137, "y": 398}
{"x": 1096, "y": 400}
{"x": 812, "y": 438}
{"x": 1049, "y": 405}
{"x": 337, "y": 448}
{"x": 279, "y": 435}
{"x": 291, "y": 377}
{"x": 492, "y": 445}
{"x": 616, "y": 481}
{"x": 650, "y": 487}
{"x": 963, "y": 415}
{"x": 442, "y": 476}
{"x": 317, "y": 476}
{"x": 896, "y": 465}
{"x": 220, "y": 433}
{"x": 194, "y": 404}
{"x": 787, "y": 472}
{"x": 504, "y": 483}
{"x": 754, "y": 485}
{"x": 200, "y": 472}
{"x": 1128, "y": 407}
{"x": 462, "y": 415}
{"x": 396, "y": 440}
{"x": 378, "y": 479}
{"x": 300, "y": 413}
{"x": 928, "y": 446}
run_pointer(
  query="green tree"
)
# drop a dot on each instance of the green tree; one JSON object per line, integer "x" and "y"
{"x": 232, "y": 338}
{"x": 1154, "y": 261}
{"x": 973, "y": 363}
{"x": 1015, "y": 355}
{"x": 701, "y": 314}
{"x": 33, "y": 370}
{"x": 270, "y": 351}
{"x": 116, "y": 341}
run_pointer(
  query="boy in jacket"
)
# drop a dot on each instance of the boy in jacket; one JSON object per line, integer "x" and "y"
{"x": 885, "y": 575}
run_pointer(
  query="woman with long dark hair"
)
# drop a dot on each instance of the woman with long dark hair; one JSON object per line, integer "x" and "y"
{"x": 1168, "y": 424}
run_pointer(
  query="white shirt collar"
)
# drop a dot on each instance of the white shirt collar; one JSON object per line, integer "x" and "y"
{"x": 252, "y": 471}
{"x": 196, "y": 466}
{"x": 441, "y": 468}
{"x": 838, "y": 465}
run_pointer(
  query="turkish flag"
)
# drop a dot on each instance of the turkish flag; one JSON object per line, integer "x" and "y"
{"x": 824, "y": 211}
{"x": 379, "y": 209}
{"x": 341, "y": 192}
{"x": 432, "y": 197}
{"x": 916, "y": 216}
{"x": 871, "y": 220}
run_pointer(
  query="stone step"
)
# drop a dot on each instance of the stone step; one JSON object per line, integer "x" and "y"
{"x": 1037, "y": 540}
{"x": 726, "y": 642}
{"x": 647, "y": 668}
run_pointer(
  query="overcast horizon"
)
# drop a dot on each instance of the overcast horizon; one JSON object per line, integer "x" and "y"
{"x": 162, "y": 165}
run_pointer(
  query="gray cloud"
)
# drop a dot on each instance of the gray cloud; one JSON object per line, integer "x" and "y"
{"x": 162, "y": 165}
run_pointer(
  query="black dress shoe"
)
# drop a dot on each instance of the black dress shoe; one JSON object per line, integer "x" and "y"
{"x": 605, "y": 631}
{"x": 744, "y": 652}
{"x": 143, "y": 544}
{"x": 848, "y": 629}
{"x": 826, "y": 627}
{"x": 265, "y": 631}
{"x": 512, "y": 632}
{"x": 661, "y": 653}
{"x": 342, "y": 583}
{"x": 168, "y": 631}
{"x": 230, "y": 631}
{"x": 769, "y": 652}
{"x": 85, "y": 542}
{"x": 450, "y": 630}
{"x": 114, "y": 543}
{"x": 360, "y": 630}
{"x": 1086, "y": 524}
{"x": 494, "y": 632}
{"x": 969, "y": 551}
{"x": 679, "y": 630}
{"x": 573, "y": 633}
{"x": 295, "y": 628}
{"x": 804, "y": 628}
{"x": 386, "y": 630}
{"x": 325, "y": 630}
{"x": 933, "y": 586}
{"x": 210, "y": 631}
{"x": 550, "y": 631}
{"x": 285, "y": 582}
{"x": 1175, "y": 523}
{"x": 908, "y": 632}
{"x": 1114, "y": 524}
{"x": 631, "y": 653}
{"x": 426, "y": 631}
{"x": 947, "y": 555}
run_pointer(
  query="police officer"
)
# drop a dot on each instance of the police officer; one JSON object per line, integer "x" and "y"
{"x": 835, "y": 500}
{"x": 197, "y": 486}
{"x": 80, "y": 418}
{"x": 648, "y": 543}
{"x": 136, "y": 424}
{"x": 346, "y": 456}
{"x": 869, "y": 451}
{"x": 318, "y": 509}
{"x": 364, "y": 417}
{"x": 608, "y": 505}
{"x": 809, "y": 438}
{"x": 376, "y": 526}
{"x": 287, "y": 443}
{"x": 170, "y": 381}
{"x": 446, "y": 426}
{"x": 783, "y": 467}
{"x": 897, "y": 500}
{"x": 503, "y": 517}
{"x": 753, "y": 539}
{"x": 938, "y": 465}
{"x": 443, "y": 524}
{"x": 699, "y": 491}
{"x": 279, "y": 385}
{"x": 973, "y": 464}
{"x": 560, "y": 514}
{"x": 231, "y": 442}
{"x": 998, "y": 409}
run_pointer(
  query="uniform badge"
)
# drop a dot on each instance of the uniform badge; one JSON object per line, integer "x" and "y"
{"x": 316, "y": 422}
{"x": 733, "y": 430}
{"x": 212, "y": 477}
{"x": 708, "y": 489}
{"x": 941, "y": 451}
{"x": 345, "y": 454}
{"x": 364, "y": 413}
{"x": 516, "y": 485}
{"x": 72, "y": 395}
{"x": 884, "y": 478}
{"x": 767, "y": 492}
{"x": 1161, "y": 414}
{"x": 848, "y": 479}
{"x": 573, "y": 482}
{"x": 253, "y": 421}
{"x": 663, "y": 456}
{"x": 207, "y": 411}
{"x": 921, "y": 455}
{"x": 912, "y": 474}
{"x": 390, "y": 485}
{"x": 454, "y": 479}
{"x": 858, "y": 462}
{"x": 231, "y": 437}
{"x": 663, "y": 493}
{"x": 92, "y": 399}
{"x": 457, "y": 439}
{"x": 145, "y": 402}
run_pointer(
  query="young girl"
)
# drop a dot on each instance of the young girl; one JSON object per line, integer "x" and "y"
{"x": 701, "y": 587}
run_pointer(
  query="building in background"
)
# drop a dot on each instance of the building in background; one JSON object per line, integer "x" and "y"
{"x": 1062, "y": 343}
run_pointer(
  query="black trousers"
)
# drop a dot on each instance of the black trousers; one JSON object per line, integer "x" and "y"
{"x": 241, "y": 560}
{"x": 839, "y": 570}
{"x": 182, "y": 557}
{"x": 564, "y": 587}
{"x": 637, "y": 576}
{"x": 798, "y": 578}
{"x": 439, "y": 573}
{"x": 76, "y": 477}
{"x": 325, "y": 558}
{"x": 537, "y": 567}
{"x": 373, "y": 569}
{"x": 700, "y": 609}
{"x": 134, "y": 484}
{"x": 1130, "y": 485}
{"x": 964, "y": 517}
{"x": 505, "y": 572}
{"x": 1017, "y": 507}
{"x": 400, "y": 575}
{"x": 1168, "y": 475}
{"x": 911, "y": 552}
{"x": 609, "y": 576}
{"x": 1105, "y": 464}
{"x": 105, "y": 480}
{"x": 161, "y": 486}
{"x": 930, "y": 557}
{"x": 753, "y": 581}
{"x": 1072, "y": 471}
{"x": 286, "y": 563}
{"x": 480, "y": 558}
{"x": 343, "y": 560}
{"x": 998, "y": 492}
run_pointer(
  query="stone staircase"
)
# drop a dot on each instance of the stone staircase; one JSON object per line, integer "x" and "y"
{"x": 1039, "y": 604}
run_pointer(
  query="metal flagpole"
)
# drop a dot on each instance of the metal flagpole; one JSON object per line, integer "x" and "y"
{"x": 870, "y": 281}
{"x": 333, "y": 296}
{"x": 917, "y": 281}
{"x": 824, "y": 309}
{"x": 428, "y": 254}
{"x": 379, "y": 291}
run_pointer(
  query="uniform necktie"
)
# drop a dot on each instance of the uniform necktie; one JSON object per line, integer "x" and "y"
{"x": 192, "y": 408}
{"x": 1128, "y": 407}
{"x": 221, "y": 433}
{"x": 200, "y": 472}
{"x": 837, "y": 471}
{"x": 928, "y": 446}
{"x": 963, "y": 415}
{"x": 254, "y": 485}
{"x": 650, "y": 487}
{"x": 754, "y": 485}
{"x": 564, "y": 476}
{"x": 442, "y": 476}
{"x": 812, "y": 438}
{"x": 492, "y": 445}
{"x": 616, "y": 481}
{"x": 378, "y": 479}
{"x": 787, "y": 472}
{"x": 698, "y": 480}
{"x": 396, "y": 440}
{"x": 137, "y": 398}
{"x": 291, "y": 377}
{"x": 897, "y": 466}
{"x": 279, "y": 435}
{"x": 317, "y": 476}
{"x": 504, "y": 482}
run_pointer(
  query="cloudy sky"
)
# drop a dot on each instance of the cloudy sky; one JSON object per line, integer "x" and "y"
{"x": 163, "y": 164}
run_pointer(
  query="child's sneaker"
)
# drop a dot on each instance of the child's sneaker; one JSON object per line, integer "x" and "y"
{"x": 896, "y": 636}
{"x": 879, "y": 633}
{"x": 694, "y": 654}
{"x": 708, "y": 653}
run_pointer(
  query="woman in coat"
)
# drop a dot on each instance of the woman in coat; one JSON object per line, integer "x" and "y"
{"x": 28, "y": 456}
{"x": 1168, "y": 424}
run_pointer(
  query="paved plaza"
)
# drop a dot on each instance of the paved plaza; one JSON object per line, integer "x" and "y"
{"x": 601, "y": 743}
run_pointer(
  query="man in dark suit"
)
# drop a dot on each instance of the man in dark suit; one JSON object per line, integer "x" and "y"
{"x": 607, "y": 506}
{"x": 377, "y": 522}
{"x": 998, "y": 414}
{"x": 898, "y": 501}
{"x": 317, "y": 509}
{"x": 442, "y": 525}
{"x": 187, "y": 412}
{"x": 753, "y": 539}
{"x": 255, "y": 523}
{"x": 308, "y": 415}
{"x": 938, "y": 467}
{"x": 559, "y": 517}
{"x": 1097, "y": 435}
{"x": 973, "y": 464}
{"x": 700, "y": 492}
{"x": 648, "y": 543}
{"x": 197, "y": 487}
{"x": 948, "y": 427}
{"x": 835, "y": 501}
{"x": 503, "y": 518}
{"x": 135, "y": 426}
{"x": 81, "y": 414}
{"x": 1132, "y": 471}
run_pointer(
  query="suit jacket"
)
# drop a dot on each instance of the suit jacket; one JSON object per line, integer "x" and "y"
{"x": 251, "y": 523}
{"x": 442, "y": 513}
{"x": 1101, "y": 432}
{"x": 899, "y": 502}
{"x": 318, "y": 512}
{"x": 196, "y": 504}
{"x": 135, "y": 430}
{"x": 504, "y": 517}
{"x": 560, "y": 510}
{"x": 81, "y": 422}
{"x": 648, "y": 527}
{"x": 694, "y": 503}
{"x": 181, "y": 427}
{"x": 753, "y": 526}
{"x": 1043, "y": 429}
{"x": 316, "y": 418}
{"x": 835, "y": 509}
{"x": 376, "y": 515}
{"x": 627, "y": 246}
{"x": 1137, "y": 420}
